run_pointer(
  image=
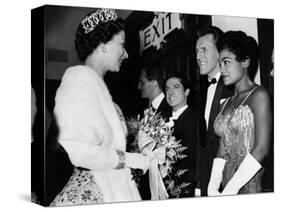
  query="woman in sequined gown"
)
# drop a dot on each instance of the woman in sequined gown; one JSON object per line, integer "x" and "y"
{"x": 244, "y": 123}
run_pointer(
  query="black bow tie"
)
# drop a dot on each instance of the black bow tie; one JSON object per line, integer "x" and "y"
{"x": 213, "y": 81}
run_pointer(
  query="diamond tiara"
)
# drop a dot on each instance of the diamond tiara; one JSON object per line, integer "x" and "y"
{"x": 103, "y": 15}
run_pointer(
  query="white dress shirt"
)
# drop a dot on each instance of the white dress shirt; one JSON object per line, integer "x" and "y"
{"x": 176, "y": 114}
{"x": 210, "y": 96}
{"x": 157, "y": 101}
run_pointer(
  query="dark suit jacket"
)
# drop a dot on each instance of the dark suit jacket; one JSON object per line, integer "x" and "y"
{"x": 186, "y": 130}
{"x": 164, "y": 109}
{"x": 210, "y": 140}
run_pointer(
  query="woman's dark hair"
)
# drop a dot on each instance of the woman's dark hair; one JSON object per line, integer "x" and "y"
{"x": 244, "y": 47}
{"x": 85, "y": 43}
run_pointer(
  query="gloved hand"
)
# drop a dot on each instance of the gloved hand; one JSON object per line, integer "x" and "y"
{"x": 216, "y": 177}
{"x": 159, "y": 154}
{"x": 247, "y": 169}
{"x": 137, "y": 161}
{"x": 147, "y": 147}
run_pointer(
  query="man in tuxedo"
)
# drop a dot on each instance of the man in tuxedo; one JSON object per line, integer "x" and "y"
{"x": 212, "y": 90}
{"x": 185, "y": 121}
{"x": 151, "y": 87}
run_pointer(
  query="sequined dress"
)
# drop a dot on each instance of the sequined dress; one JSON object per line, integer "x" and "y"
{"x": 237, "y": 131}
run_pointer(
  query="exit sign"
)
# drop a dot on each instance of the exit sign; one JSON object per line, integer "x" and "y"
{"x": 163, "y": 24}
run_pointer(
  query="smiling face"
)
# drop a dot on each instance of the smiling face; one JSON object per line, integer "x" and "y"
{"x": 232, "y": 70}
{"x": 207, "y": 55}
{"x": 115, "y": 52}
{"x": 176, "y": 95}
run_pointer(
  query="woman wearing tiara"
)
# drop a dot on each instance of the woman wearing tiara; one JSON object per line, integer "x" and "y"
{"x": 244, "y": 123}
{"x": 91, "y": 127}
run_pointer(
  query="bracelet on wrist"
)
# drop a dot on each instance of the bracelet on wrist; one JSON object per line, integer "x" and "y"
{"x": 121, "y": 156}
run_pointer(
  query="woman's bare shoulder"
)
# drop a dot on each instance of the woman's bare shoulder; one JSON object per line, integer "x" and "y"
{"x": 259, "y": 97}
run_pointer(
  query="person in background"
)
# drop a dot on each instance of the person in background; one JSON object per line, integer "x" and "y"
{"x": 92, "y": 129}
{"x": 151, "y": 87}
{"x": 244, "y": 123}
{"x": 212, "y": 93}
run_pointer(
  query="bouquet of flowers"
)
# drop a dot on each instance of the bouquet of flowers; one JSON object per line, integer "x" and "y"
{"x": 154, "y": 137}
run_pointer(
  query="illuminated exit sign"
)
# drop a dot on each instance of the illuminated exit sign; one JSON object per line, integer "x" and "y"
{"x": 162, "y": 25}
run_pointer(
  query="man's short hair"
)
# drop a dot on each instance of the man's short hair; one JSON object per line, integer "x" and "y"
{"x": 154, "y": 72}
{"x": 181, "y": 77}
{"x": 213, "y": 30}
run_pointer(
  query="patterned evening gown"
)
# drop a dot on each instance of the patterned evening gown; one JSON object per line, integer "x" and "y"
{"x": 237, "y": 131}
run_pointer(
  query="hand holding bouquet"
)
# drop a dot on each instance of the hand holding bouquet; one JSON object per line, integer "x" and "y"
{"x": 154, "y": 139}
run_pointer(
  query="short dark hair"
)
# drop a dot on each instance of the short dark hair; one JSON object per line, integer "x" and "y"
{"x": 154, "y": 72}
{"x": 186, "y": 85}
{"x": 213, "y": 30}
{"x": 244, "y": 47}
{"x": 181, "y": 77}
{"x": 102, "y": 33}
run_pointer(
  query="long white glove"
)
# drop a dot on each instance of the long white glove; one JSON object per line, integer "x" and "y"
{"x": 216, "y": 177}
{"x": 247, "y": 169}
{"x": 137, "y": 161}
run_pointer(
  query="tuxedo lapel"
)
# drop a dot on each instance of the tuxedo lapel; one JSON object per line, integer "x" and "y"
{"x": 203, "y": 93}
{"x": 164, "y": 109}
{"x": 182, "y": 123}
{"x": 215, "y": 104}
{"x": 181, "y": 119}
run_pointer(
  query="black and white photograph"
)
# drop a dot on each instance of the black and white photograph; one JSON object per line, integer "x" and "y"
{"x": 150, "y": 106}
{"x": 136, "y": 105}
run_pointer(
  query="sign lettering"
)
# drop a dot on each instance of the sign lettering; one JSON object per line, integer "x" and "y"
{"x": 162, "y": 25}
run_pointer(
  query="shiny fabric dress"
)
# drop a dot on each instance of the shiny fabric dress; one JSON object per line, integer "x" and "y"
{"x": 237, "y": 131}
